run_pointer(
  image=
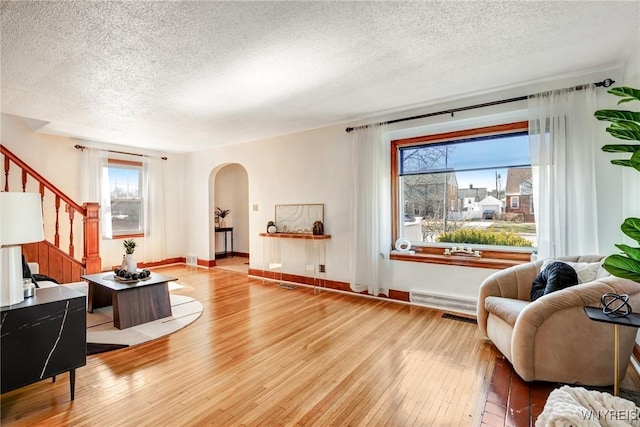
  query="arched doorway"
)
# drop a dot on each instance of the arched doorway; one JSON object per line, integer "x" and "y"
{"x": 229, "y": 190}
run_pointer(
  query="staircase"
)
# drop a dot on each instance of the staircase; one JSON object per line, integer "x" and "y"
{"x": 58, "y": 255}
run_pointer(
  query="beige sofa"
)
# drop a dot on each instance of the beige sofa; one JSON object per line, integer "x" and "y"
{"x": 552, "y": 339}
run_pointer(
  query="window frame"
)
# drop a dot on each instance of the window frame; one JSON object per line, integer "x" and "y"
{"x": 515, "y": 199}
{"x": 133, "y": 165}
{"x": 491, "y": 258}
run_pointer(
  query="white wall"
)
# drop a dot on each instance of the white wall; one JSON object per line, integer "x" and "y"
{"x": 56, "y": 159}
{"x": 307, "y": 167}
{"x": 315, "y": 166}
{"x": 310, "y": 167}
{"x": 631, "y": 178}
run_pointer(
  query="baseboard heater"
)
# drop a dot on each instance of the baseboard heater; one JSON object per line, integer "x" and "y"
{"x": 442, "y": 301}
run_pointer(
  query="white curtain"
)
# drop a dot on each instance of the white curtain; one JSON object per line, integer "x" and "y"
{"x": 370, "y": 211}
{"x": 154, "y": 208}
{"x": 563, "y": 143}
{"x": 94, "y": 185}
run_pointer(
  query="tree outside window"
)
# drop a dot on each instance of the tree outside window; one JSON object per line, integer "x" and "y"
{"x": 125, "y": 184}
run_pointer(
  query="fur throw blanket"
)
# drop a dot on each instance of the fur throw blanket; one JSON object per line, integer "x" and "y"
{"x": 577, "y": 407}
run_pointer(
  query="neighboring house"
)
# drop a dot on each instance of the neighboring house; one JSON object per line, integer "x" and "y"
{"x": 519, "y": 195}
{"x": 469, "y": 197}
{"x": 425, "y": 195}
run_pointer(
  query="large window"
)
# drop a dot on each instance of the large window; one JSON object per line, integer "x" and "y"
{"x": 125, "y": 184}
{"x": 467, "y": 188}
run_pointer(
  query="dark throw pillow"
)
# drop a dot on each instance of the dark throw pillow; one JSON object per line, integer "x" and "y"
{"x": 555, "y": 276}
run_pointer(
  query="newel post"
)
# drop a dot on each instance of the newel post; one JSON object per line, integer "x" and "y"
{"x": 91, "y": 227}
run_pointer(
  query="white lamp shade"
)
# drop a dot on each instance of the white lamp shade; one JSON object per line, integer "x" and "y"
{"x": 20, "y": 218}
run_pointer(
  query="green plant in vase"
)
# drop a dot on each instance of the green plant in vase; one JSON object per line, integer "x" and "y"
{"x": 129, "y": 246}
{"x": 624, "y": 125}
{"x": 221, "y": 214}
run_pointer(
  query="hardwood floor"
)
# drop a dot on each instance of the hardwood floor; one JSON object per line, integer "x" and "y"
{"x": 264, "y": 355}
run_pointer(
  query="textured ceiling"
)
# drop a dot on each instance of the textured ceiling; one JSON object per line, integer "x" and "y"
{"x": 184, "y": 76}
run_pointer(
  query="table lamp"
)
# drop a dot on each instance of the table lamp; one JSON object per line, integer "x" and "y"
{"x": 20, "y": 222}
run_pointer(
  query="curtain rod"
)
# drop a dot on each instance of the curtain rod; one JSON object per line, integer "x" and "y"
{"x": 604, "y": 83}
{"x": 82, "y": 147}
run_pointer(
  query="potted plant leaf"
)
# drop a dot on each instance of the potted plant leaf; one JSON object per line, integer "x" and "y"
{"x": 221, "y": 214}
{"x": 625, "y": 125}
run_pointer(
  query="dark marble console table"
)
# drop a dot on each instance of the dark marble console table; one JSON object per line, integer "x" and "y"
{"x": 42, "y": 337}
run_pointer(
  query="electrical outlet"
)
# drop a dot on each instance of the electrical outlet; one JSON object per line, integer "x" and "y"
{"x": 322, "y": 268}
{"x": 310, "y": 268}
{"x": 255, "y": 207}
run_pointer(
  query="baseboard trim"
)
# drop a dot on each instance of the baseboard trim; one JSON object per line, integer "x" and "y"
{"x": 168, "y": 261}
{"x": 325, "y": 283}
{"x": 336, "y": 286}
{"x": 206, "y": 263}
{"x": 241, "y": 254}
{"x": 394, "y": 294}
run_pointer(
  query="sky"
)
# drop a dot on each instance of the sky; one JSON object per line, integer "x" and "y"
{"x": 495, "y": 154}
{"x": 124, "y": 178}
{"x": 482, "y": 179}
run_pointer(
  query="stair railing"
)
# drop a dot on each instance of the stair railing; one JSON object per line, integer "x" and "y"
{"x": 57, "y": 256}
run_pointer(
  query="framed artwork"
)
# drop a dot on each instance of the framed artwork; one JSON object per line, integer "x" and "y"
{"x": 298, "y": 219}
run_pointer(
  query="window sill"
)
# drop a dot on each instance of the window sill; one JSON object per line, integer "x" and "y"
{"x": 489, "y": 259}
{"x": 127, "y": 236}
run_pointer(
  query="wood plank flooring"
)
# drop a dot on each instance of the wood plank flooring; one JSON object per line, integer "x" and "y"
{"x": 262, "y": 355}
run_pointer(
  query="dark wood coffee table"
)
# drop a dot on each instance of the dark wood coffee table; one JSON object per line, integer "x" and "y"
{"x": 133, "y": 303}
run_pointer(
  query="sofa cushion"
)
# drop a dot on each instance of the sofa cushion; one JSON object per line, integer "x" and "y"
{"x": 586, "y": 271}
{"x": 601, "y": 273}
{"x": 47, "y": 284}
{"x": 553, "y": 277}
{"x": 507, "y": 309}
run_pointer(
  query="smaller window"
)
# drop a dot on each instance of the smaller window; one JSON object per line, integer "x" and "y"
{"x": 125, "y": 184}
{"x": 526, "y": 188}
{"x": 515, "y": 202}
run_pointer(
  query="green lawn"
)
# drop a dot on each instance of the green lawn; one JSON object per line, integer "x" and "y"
{"x": 524, "y": 227}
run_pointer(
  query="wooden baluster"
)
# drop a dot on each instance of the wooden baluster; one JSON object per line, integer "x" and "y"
{"x": 6, "y": 173}
{"x": 56, "y": 237}
{"x": 71, "y": 213}
{"x": 42, "y": 188}
{"x": 24, "y": 180}
{"x": 91, "y": 227}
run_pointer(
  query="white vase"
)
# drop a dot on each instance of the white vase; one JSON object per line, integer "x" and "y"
{"x": 129, "y": 263}
{"x": 223, "y": 223}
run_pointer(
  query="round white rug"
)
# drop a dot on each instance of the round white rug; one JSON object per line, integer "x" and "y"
{"x": 100, "y": 329}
